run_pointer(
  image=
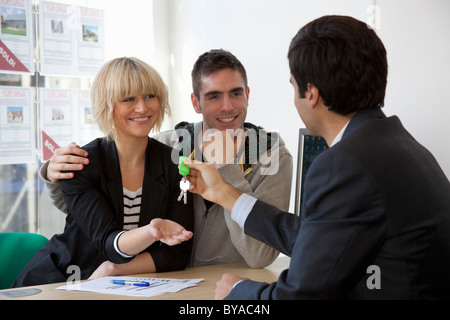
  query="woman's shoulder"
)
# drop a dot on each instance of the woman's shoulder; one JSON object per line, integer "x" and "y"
{"x": 164, "y": 159}
{"x": 96, "y": 143}
{"x": 100, "y": 146}
{"x": 102, "y": 152}
{"x": 165, "y": 152}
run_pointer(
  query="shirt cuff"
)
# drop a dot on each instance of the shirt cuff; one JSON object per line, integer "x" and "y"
{"x": 234, "y": 285}
{"x": 242, "y": 208}
{"x": 116, "y": 246}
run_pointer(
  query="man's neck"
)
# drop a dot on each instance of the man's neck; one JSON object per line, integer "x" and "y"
{"x": 334, "y": 125}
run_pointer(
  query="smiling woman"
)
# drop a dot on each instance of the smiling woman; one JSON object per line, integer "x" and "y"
{"x": 135, "y": 116}
{"x": 121, "y": 80}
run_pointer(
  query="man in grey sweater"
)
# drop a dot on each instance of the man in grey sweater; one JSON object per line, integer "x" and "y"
{"x": 256, "y": 162}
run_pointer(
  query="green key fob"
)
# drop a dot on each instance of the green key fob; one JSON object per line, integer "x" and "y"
{"x": 183, "y": 168}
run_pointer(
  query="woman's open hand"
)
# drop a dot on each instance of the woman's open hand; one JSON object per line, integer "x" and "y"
{"x": 169, "y": 232}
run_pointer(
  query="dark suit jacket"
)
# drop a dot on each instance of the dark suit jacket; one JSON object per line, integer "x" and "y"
{"x": 376, "y": 198}
{"x": 94, "y": 200}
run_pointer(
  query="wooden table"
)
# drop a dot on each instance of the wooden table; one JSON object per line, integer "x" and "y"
{"x": 204, "y": 291}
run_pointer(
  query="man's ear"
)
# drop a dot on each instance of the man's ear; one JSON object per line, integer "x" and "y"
{"x": 312, "y": 95}
{"x": 195, "y": 103}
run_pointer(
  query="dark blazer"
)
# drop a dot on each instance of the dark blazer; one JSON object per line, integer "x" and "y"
{"x": 94, "y": 200}
{"x": 375, "y": 198}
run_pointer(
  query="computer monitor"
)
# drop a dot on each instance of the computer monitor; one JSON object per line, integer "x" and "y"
{"x": 309, "y": 147}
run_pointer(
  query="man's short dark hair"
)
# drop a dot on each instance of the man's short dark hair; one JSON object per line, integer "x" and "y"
{"x": 212, "y": 61}
{"x": 344, "y": 59}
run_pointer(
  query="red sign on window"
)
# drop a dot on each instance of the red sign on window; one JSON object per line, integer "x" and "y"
{"x": 8, "y": 61}
{"x": 48, "y": 146}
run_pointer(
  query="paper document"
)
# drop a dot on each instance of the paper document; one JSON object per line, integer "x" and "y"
{"x": 156, "y": 286}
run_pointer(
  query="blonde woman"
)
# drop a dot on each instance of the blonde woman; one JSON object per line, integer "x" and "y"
{"x": 123, "y": 214}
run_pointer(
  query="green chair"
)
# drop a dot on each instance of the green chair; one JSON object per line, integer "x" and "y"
{"x": 16, "y": 250}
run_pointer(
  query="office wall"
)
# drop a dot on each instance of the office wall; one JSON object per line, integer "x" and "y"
{"x": 416, "y": 36}
{"x": 258, "y": 32}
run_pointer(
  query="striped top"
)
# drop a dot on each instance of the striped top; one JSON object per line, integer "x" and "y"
{"x": 131, "y": 208}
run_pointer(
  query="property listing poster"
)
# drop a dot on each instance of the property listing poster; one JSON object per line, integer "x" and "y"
{"x": 57, "y": 115}
{"x": 72, "y": 40}
{"x": 88, "y": 130}
{"x": 17, "y": 143}
{"x": 16, "y": 38}
{"x": 65, "y": 117}
{"x": 90, "y": 40}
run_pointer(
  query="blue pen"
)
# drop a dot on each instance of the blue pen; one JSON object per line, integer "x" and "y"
{"x": 134, "y": 283}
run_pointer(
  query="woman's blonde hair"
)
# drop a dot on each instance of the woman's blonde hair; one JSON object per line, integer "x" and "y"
{"x": 123, "y": 78}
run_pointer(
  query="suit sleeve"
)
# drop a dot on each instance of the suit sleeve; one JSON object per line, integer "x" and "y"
{"x": 273, "y": 226}
{"x": 342, "y": 229}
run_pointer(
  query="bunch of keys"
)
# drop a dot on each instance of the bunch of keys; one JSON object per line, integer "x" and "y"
{"x": 184, "y": 183}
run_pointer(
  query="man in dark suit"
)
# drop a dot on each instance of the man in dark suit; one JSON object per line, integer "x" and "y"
{"x": 376, "y": 215}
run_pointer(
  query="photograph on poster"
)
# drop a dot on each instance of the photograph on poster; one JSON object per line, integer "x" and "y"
{"x": 14, "y": 114}
{"x": 14, "y": 21}
{"x": 90, "y": 33}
